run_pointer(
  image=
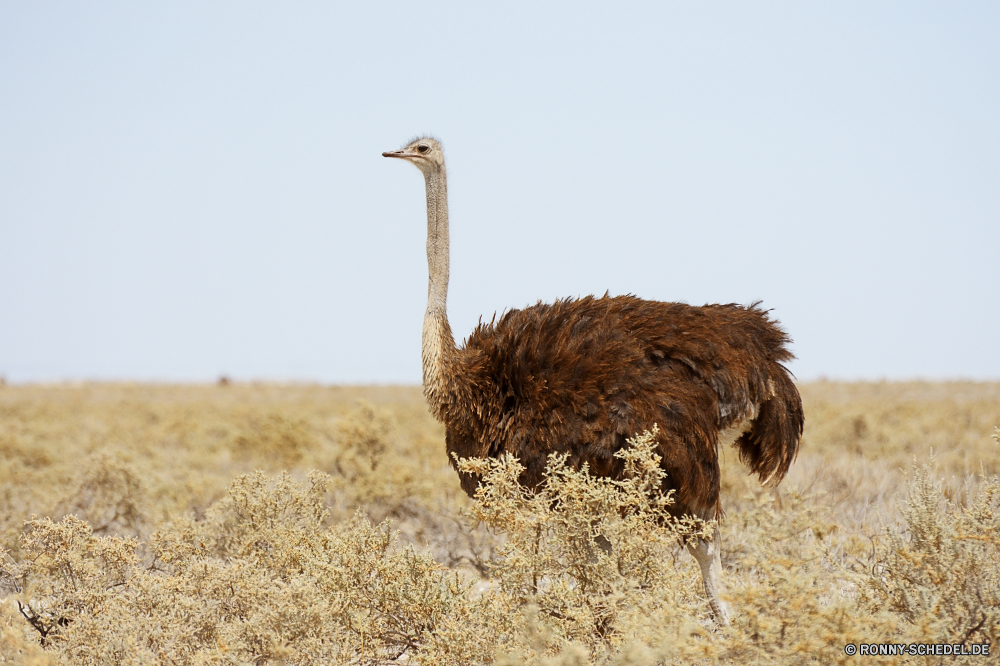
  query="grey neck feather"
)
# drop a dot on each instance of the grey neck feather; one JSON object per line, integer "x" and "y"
{"x": 437, "y": 241}
{"x": 438, "y": 344}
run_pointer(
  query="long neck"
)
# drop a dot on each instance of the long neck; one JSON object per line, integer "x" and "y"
{"x": 438, "y": 346}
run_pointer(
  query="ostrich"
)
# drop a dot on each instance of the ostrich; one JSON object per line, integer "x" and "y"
{"x": 579, "y": 376}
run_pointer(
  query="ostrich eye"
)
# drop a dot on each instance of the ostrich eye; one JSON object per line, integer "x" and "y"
{"x": 422, "y": 149}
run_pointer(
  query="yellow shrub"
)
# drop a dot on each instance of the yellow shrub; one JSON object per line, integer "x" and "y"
{"x": 160, "y": 544}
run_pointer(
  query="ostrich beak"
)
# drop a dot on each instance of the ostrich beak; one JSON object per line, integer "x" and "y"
{"x": 398, "y": 153}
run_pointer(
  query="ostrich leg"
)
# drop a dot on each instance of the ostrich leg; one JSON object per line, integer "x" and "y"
{"x": 709, "y": 556}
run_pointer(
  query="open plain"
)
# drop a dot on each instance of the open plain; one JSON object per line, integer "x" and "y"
{"x": 262, "y": 523}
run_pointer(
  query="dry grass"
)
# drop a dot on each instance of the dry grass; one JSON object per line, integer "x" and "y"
{"x": 137, "y": 529}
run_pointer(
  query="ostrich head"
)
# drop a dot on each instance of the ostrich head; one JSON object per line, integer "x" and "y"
{"x": 424, "y": 153}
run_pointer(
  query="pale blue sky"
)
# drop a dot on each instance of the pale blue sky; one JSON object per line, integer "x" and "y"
{"x": 190, "y": 189}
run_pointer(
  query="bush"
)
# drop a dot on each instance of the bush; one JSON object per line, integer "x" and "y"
{"x": 586, "y": 558}
{"x": 585, "y": 570}
{"x": 261, "y": 579}
{"x": 940, "y": 573}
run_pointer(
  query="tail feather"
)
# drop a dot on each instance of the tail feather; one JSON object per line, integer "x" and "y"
{"x": 769, "y": 447}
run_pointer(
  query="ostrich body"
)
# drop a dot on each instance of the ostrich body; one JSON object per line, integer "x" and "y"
{"x": 580, "y": 376}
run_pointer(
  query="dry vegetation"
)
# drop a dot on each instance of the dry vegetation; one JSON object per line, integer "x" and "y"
{"x": 135, "y": 528}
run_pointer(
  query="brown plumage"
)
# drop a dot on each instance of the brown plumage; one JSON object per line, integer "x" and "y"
{"x": 580, "y": 376}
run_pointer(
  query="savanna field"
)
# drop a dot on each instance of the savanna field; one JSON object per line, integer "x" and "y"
{"x": 305, "y": 524}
